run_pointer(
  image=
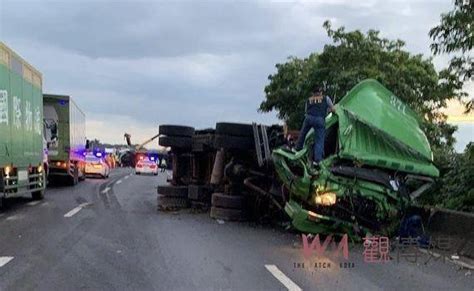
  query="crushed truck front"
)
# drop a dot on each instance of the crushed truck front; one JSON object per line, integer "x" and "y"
{"x": 377, "y": 159}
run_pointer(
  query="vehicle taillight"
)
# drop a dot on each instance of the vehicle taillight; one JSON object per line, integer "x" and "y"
{"x": 61, "y": 164}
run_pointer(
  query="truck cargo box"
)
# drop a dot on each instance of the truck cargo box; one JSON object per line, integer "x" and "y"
{"x": 65, "y": 134}
{"x": 21, "y": 126}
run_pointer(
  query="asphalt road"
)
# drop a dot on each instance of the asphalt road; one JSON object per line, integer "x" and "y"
{"x": 108, "y": 235}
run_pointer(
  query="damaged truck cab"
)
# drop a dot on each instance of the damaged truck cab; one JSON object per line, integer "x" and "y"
{"x": 377, "y": 159}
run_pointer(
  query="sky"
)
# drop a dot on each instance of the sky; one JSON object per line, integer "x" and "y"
{"x": 132, "y": 65}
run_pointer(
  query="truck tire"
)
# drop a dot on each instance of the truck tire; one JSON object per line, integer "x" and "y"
{"x": 234, "y": 142}
{"x": 226, "y": 214}
{"x": 176, "y": 130}
{"x": 235, "y": 129}
{"x": 173, "y": 191}
{"x": 75, "y": 178}
{"x": 37, "y": 195}
{"x": 171, "y": 203}
{"x": 227, "y": 201}
{"x": 3, "y": 203}
{"x": 175, "y": 141}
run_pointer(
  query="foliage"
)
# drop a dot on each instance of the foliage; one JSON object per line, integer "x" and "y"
{"x": 355, "y": 56}
{"x": 455, "y": 189}
{"x": 455, "y": 34}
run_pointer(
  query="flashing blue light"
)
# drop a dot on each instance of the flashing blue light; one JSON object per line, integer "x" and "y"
{"x": 99, "y": 154}
{"x": 152, "y": 158}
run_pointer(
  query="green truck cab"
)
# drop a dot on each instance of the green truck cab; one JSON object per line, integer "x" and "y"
{"x": 65, "y": 135}
{"x": 377, "y": 160}
{"x": 21, "y": 128}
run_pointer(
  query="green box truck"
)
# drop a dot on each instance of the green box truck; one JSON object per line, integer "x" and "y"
{"x": 21, "y": 131}
{"x": 65, "y": 135}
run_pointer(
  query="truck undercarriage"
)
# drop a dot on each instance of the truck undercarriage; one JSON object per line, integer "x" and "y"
{"x": 374, "y": 165}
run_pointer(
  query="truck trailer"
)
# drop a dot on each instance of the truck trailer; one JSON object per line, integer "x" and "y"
{"x": 21, "y": 132}
{"x": 65, "y": 135}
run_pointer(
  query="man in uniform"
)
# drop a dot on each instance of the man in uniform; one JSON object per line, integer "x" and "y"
{"x": 317, "y": 107}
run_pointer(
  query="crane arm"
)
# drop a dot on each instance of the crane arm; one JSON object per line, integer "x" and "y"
{"x": 146, "y": 142}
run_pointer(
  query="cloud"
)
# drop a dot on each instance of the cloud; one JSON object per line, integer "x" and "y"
{"x": 183, "y": 62}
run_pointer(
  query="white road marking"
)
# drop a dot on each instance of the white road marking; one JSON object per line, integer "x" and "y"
{"x": 33, "y": 203}
{"x": 118, "y": 182}
{"x": 5, "y": 260}
{"x": 76, "y": 210}
{"x": 13, "y": 217}
{"x": 126, "y": 177}
{"x": 290, "y": 285}
{"x": 105, "y": 190}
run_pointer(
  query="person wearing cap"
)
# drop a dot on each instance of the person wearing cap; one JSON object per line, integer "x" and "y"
{"x": 317, "y": 107}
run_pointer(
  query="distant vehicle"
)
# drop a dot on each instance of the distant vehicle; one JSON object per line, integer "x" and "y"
{"x": 65, "y": 134}
{"x": 146, "y": 166}
{"x": 96, "y": 166}
{"x": 22, "y": 169}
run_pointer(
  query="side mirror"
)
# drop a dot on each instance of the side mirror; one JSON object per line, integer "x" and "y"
{"x": 88, "y": 144}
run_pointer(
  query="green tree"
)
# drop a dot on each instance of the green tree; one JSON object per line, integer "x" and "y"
{"x": 354, "y": 56}
{"x": 455, "y": 34}
{"x": 455, "y": 188}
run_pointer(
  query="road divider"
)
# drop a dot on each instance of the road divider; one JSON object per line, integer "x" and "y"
{"x": 76, "y": 210}
{"x": 5, "y": 260}
{"x": 287, "y": 282}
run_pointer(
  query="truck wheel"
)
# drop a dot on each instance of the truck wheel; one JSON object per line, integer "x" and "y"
{"x": 226, "y": 214}
{"x": 234, "y": 142}
{"x": 3, "y": 203}
{"x": 38, "y": 195}
{"x": 227, "y": 201}
{"x": 174, "y": 141}
{"x": 176, "y": 130}
{"x": 173, "y": 191}
{"x": 171, "y": 203}
{"x": 234, "y": 129}
{"x": 75, "y": 178}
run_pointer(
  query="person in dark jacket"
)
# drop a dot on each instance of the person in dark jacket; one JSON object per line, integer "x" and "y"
{"x": 317, "y": 108}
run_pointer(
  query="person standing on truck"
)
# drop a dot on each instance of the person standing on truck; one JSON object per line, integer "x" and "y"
{"x": 316, "y": 108}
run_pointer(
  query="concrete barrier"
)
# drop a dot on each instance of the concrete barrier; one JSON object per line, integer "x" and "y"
{"x": 455, "y": 225}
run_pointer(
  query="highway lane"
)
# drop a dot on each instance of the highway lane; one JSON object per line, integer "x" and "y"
{"x": 108, "y": 235}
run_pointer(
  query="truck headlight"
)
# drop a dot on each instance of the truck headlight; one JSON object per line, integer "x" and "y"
{"x": 326, "y": 199}
{"x": 7, "y": 170}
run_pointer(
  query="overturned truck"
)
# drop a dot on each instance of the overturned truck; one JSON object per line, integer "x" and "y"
{"x": 377, "y": 160}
